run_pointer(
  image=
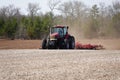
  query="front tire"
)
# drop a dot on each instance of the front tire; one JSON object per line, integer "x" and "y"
{"x": 44, "y": 44}
{"x": 67, "y": 45}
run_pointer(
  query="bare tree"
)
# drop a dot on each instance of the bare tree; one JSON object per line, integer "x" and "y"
{"x": 3, "y": 11}
{"x": 116, "y": 16}
{"x": 9, "y": 11}
{"x": 103, "y": 20}
{"x": 53, "y": 4}
{"x": 33, "y": 9}
{"x": 67, "y": 9}
{"x": 79, "y": 8}
{"x": 74, "y": 9}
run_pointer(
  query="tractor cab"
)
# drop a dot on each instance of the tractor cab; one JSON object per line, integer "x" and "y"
{"x": 59, "y": 31}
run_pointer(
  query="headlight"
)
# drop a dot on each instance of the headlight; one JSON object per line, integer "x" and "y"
{"x": 53, "y": 38}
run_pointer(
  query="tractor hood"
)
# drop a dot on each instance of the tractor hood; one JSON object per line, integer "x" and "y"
{"x": 53, "y": 36}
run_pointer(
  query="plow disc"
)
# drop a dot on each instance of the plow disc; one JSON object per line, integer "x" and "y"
{"x": 88, "y": 46}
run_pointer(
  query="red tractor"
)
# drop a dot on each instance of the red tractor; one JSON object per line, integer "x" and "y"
{"x": 59, "y": 38}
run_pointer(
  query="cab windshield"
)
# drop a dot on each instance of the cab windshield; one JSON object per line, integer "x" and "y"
{"x": 61, "y": 31}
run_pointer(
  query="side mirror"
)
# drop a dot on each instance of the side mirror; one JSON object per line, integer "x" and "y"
{"x": 67, "y": 27}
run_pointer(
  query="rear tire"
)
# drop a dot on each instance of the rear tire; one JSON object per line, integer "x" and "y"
{"x": 72, "y": 43}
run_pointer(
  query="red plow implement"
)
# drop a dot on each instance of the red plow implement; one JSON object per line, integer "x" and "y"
{"x": 88, "y": 46}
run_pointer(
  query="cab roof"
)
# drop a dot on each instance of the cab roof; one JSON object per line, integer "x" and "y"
{"x": 60, "y": 26}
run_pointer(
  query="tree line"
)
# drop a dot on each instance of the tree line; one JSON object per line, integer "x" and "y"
{"x": 99, "y": 21}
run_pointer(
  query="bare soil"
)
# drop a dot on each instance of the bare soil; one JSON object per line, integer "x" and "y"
{"x": 20, "y": 44}
{"x": 109, "y": 44}
{"x": 38, "y": 64}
